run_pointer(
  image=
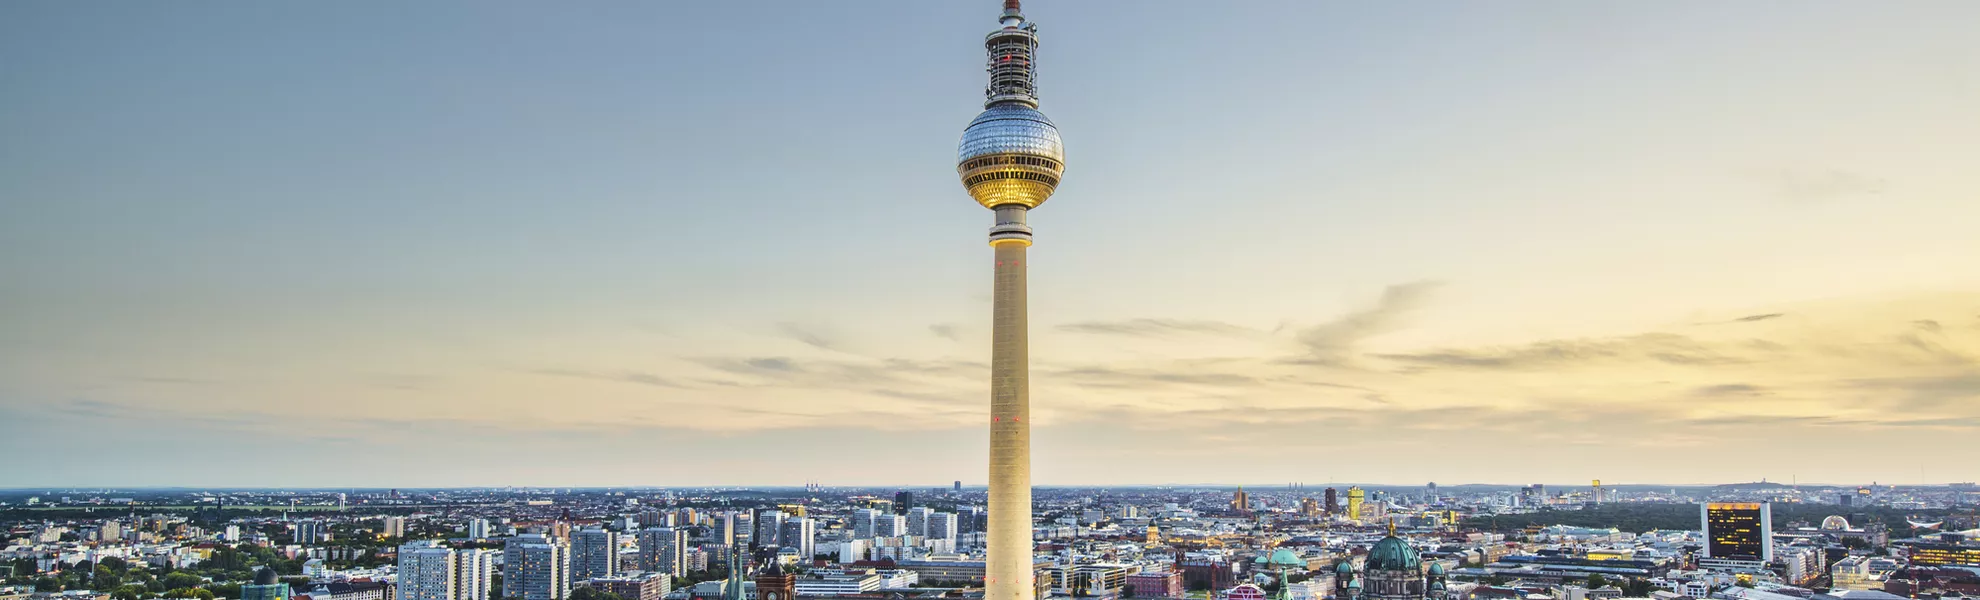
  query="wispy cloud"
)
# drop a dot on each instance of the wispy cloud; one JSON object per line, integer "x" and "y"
{"x": 1334, "y": 341}
{"x": 809, "y": 335}
{"x": 637, "y": 377}
{"x": 1665, "y": 348}
{"x": 944, "y": 331}
{"x": 1730, "y": 389}
{"x": 1821, "y": 185}
{"x": 1156, "y": 328}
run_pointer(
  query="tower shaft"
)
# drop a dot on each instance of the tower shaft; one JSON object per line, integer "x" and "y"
{"x": 1008, "y": 572}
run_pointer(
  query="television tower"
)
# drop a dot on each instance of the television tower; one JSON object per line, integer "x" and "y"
{"x": 1010, "y": 160}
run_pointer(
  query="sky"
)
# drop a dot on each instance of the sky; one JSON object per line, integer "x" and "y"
{"x": 722, "y": 243}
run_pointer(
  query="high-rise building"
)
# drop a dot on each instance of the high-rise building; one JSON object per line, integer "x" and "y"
{"x": 1309, "y": 507}
{"x": 942, "y": 526}
{"x": 917, "y": 520}
{"x": 722, "y": 528}
{"x": 594, "y": 554}
{"x": 903, "y": 500}
{"x": 687, "y": 517}
{"x": 1240, "y": 501}
{"x": 889, "y": 526}
{"x": 1354, "y": 501}
{"x": 428, "y": 571}
{"x": 646, "y": 586}
{"x": 745, "y": 525}
{"x": 477, "y": 529}
{"x": 663, "y": 550}
{"x": 311, "y": 531}
{"x": 231, "y": 534}
{"x": 654, "y": 518}
{"x": 1010, "y": 159}
{"x": 1333, "y": 501}
{"x": 474, "y": 574}
{"x": 770, "y": 527}
{"x": 1739, "y": 536}
{"x": 865, "y": 523}
{"x": 800, "y": 534}
{"x": 536, "y": 566}
{"x": 958, "y": 487}
{"x": 392, "y": 527}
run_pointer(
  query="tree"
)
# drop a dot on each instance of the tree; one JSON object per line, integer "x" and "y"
{"x": 1637, "y": 588}
{"x": 1597, "y": 581}
{"x": 586, "y": 592}
{"x": 107, "y": 579}
{"x": 47, "y": 584}
{"x": 182, "y": 580}
{"x": 195, "y": 593}
{"x": 129, "y": 592}
{"x": 26, "y": 566}
{"x": 1495, "y": 580}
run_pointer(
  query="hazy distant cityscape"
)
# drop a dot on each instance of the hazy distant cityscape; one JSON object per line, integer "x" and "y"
{"x": 1760, "y": 541}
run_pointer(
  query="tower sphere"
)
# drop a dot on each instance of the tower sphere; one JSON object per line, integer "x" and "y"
{"x": 1011, "y": 154}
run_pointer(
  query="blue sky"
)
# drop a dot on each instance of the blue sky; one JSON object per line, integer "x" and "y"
{"x": 359, "y": 232}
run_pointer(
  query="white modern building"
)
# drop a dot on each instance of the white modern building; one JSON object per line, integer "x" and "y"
{"x": 428, "y": 571}
{"x": 837, "y": 584}
{"x": 392, "y": 527}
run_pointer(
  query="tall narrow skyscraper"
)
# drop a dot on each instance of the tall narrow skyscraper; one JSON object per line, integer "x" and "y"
{"x": 1010, "y": 160}
{"x": 594, "y": 553}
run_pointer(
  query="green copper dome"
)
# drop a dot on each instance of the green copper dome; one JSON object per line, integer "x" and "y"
{"x": 1436, "y": 569}
{"x": 1392, "y": 554}
{"x": 1345, "y": 568}
{"x": 1281, "y": 558}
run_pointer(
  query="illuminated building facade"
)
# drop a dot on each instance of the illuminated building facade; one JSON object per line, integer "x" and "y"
{"x": 1355, "y": 499}
{"x": 1739, "y": 536}
{"x": 1945, "y": 555}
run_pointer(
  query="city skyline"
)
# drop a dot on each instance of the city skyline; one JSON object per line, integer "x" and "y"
{"x": 1569, "y": 238}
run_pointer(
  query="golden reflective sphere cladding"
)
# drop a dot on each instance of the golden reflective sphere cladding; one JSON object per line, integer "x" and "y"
{"x": 1011, "y": 154}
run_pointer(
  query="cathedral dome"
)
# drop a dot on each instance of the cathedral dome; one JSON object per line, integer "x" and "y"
{"x": 1392, "y": 554}
{"x": 1835, "y": 523}
{"x": 1281, "y": 558}
{"x": 1345, "y": 568}
{"x": 1436, "y": 569}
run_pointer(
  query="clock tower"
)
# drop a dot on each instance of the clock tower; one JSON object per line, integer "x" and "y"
{"x": 774, "y": 583}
